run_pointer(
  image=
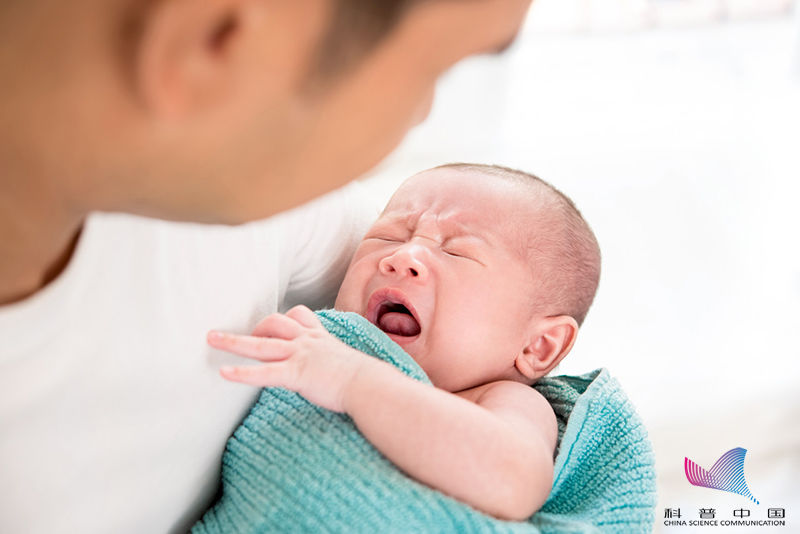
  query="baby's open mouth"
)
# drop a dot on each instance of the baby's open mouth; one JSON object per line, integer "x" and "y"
{"x": 395, "y": 318}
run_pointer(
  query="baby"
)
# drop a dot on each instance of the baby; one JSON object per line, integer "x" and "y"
{"x": 483, "y": 275}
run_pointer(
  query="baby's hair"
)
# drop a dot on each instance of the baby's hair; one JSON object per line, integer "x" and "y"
{"x": 566, "y": 257}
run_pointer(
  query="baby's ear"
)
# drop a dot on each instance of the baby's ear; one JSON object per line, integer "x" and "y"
{"x": 551, "y": 339}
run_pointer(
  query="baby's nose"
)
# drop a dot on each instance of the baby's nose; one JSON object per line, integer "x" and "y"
{"x": 409, "y": 260}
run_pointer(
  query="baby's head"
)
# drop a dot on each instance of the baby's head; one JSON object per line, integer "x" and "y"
{"x": 479, "y": 272}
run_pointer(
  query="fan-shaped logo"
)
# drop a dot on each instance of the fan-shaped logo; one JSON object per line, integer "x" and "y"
{"x": 727, "y": 473}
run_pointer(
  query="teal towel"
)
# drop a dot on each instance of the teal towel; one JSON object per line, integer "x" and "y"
{"x": 294, "y": 467}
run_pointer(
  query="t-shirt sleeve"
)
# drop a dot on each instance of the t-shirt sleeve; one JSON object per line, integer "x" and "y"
{"x": 320, "y": 240}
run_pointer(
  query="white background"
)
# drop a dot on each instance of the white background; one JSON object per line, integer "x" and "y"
{"x": 675, "y": 127}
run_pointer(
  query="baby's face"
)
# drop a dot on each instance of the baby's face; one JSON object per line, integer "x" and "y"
{"x": 443, "y": 273}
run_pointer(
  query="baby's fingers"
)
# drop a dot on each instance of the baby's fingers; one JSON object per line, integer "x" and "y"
{"x": 304, "y": 316}
{"x": 277, "y": 325}
{"x": 266, "y": 349}
{"x": 268, "y": 375}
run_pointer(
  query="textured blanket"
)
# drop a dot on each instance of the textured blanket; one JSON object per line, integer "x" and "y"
{"x": 294, "y": 467}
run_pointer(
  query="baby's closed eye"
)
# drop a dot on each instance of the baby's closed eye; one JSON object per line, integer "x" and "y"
{"x": 461, "y": 248}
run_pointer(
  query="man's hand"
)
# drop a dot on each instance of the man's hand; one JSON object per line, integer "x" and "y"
{"x": 297, "y": 353}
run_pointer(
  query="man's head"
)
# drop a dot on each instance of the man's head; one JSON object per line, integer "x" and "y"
{"x": 481, "y": 273}
{"x": 225, "y": 110}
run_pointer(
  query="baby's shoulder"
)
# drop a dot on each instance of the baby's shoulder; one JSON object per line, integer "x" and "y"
{"x": 518, "y": 403}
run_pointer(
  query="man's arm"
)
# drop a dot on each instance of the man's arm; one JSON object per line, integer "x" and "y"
{"x": 491, "y": 447}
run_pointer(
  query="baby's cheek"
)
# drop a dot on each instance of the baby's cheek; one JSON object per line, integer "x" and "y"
{"x": 351, "y": 291}
{"x": 344, "y": 297}
{"x": 344, "y": 301}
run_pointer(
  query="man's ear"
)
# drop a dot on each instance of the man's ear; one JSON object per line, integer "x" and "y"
{"x": 551, "y": 339}
{"x": 182, "y": 51}
{"x": 193, "y": 55}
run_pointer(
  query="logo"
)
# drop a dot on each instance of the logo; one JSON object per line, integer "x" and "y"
{"x": 727, "y": 473}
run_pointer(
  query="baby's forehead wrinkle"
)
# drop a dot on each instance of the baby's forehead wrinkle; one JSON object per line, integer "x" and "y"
{"x": 450, "y": 223}
{"x": 394, "y": 216}
{"x": 437, "y": 216}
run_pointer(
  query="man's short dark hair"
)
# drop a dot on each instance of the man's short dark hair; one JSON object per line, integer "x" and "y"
{"x": 355, "y": 28}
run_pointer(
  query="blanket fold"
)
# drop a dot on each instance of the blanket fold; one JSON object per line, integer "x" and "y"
{"x": 294, "y": 467}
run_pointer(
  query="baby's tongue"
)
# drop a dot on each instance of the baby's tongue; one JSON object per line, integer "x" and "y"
{"x": 401, "y": 324}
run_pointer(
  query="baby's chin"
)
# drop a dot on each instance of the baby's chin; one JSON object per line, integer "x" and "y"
{"x": 419, "y": 355}
{"x": 411, "y": 345}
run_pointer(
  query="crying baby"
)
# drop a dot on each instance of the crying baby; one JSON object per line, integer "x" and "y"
{"x": 483, "y": 275}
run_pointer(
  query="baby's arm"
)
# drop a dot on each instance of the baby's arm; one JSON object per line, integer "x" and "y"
{"x": 491, "y": 446}
{"x": 493, "y": 451}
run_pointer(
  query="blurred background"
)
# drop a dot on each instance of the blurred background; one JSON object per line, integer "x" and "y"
{"x": 675, "y": 127}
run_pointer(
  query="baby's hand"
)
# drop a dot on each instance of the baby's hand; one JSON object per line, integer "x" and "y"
{"x": 298, "y": 354}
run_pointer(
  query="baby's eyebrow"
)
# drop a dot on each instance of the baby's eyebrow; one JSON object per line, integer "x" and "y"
{"x": 451, "y": 228}
{"x": 469, "y": 238}
{"x": 456, "y": 229}
{"x": 391, "y": 220}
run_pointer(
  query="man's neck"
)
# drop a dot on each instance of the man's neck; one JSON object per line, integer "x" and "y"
{"x": 38, "y": 234}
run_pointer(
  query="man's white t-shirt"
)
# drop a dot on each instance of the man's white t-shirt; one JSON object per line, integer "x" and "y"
{"x": 113, "y": 417}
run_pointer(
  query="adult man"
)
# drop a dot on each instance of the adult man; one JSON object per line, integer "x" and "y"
{"x": 111, "y": 415}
